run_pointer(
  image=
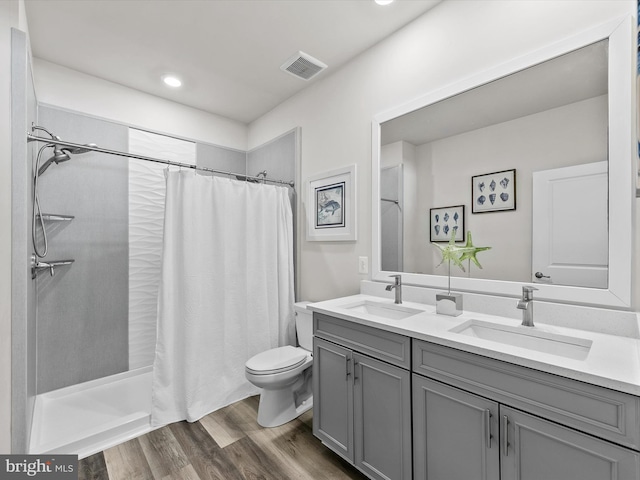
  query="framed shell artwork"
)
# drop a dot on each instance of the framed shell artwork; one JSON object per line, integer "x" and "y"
{"x": 445, "y": 222}
{"x": 493, "y": 192}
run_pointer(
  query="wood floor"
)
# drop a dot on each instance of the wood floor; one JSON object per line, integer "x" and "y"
{"x": 225, "y": 445}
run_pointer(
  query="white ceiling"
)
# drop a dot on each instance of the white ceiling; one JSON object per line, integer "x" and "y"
{"x": 569, "y": 78}
{"x": 228, "y": 52}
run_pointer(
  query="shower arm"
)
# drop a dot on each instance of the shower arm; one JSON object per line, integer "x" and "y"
{"x": 38, "y": 127}
{"x": 35, "y": 138}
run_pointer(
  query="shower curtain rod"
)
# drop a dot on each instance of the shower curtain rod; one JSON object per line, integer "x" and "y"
{"x": 35, "y": 138}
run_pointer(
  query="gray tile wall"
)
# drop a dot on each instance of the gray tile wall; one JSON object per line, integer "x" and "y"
{"x": 276, "y": 157}
{"x": 82, "y": 318}
{"x": 23, "y": 296}
{"x": 220, "y": 158}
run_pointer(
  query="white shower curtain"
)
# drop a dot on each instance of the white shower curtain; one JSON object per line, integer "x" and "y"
{"x": 226, "y": 291}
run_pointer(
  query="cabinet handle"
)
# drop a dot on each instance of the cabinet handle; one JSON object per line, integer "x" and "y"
{"x": 355, "y": 372}
{"x": 505, "y": 435}
{"x": 487, "y": 427}
{"x": 347, "y": 365}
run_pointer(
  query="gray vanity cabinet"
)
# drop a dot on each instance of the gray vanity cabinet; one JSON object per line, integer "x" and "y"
{"x": 382, "y": 418}
{"x": 455, "y": 433}
{"x": 362, "y": 396}
{"x": 333, "y": 397}
{"x": 508, "y": 422}
{"x": 536, "y": 449}
{"x": 459, "y": 435}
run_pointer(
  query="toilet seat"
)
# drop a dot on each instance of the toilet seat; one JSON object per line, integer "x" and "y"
{"x": 276, "y": 360}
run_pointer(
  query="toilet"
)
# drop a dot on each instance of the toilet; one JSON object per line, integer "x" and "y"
{"x": 284, "y": 375}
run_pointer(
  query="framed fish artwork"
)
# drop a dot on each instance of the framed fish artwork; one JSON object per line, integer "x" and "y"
{"x": 493, "y": 192}
{"x": 446, "y": 222}
{"x": 330, "y": 206}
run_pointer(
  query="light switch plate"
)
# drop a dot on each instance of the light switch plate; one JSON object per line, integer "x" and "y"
{"x": 363, "y": 265}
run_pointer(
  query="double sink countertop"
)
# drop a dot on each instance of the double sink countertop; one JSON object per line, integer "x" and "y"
{"x": 609, "y": 361}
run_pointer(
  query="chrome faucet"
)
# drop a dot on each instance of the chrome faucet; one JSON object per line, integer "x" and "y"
{"x": 397, "y": 286}
{"x": 526, "y": 305}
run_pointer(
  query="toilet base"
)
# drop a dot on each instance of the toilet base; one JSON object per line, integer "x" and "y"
{"x": 271, "y": 412}
{"x": 281, "y": 405}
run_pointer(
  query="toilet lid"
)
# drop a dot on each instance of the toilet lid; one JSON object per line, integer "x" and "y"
{"x": 276, "y": 360}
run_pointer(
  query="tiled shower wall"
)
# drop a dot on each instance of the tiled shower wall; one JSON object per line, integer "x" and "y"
{"x": 82, "y": 310}
{"x": 147, "y": 194}
{"x": 23, "y": 294}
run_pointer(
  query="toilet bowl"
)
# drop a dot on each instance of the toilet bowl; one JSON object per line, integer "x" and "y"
{"x": 284, "y": 375}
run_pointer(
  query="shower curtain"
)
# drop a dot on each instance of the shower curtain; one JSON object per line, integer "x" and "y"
{"x": 226, "y": 291}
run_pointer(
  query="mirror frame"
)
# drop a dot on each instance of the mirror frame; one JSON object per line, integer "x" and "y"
{"x": 621, "y": 151}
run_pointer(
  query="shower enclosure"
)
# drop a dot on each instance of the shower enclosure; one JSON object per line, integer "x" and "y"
{"x": 82, "y": 359}
{"x": 391, "y": 218}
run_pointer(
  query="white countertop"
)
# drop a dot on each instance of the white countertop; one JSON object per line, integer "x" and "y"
{"x": 612, "y": 362}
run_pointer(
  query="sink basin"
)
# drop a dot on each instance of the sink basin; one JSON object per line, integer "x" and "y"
{"x": 389, "y": 311}
{"x": 527, "y": 337}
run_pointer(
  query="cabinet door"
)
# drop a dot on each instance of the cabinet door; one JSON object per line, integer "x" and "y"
{"x": 455, "y": 433}
{"x": 333, "y": 397}
{"x": 535, "y": 449}
{"x": 382, "y": 409}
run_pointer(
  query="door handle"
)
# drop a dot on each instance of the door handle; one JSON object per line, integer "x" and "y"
{"x": 541, "y": 275}
{"x": 505, "y": 435}
{"x": 355, "y": 371}
{"x": 487, "y": 427}
{"x": 347, "y": 365}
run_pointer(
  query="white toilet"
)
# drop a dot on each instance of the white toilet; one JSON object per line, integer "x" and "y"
{"x": 284, "y": 374}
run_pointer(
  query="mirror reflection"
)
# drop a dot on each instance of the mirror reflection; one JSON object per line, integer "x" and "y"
{"x": 525, "y": 155}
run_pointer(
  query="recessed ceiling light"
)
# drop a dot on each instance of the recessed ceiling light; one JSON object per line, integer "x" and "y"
{"x": 383, "y": 2}
{"x": 172, "y": 81}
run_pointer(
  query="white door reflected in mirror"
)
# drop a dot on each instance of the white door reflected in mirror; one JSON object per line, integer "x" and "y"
{"x": 570, "y": 243}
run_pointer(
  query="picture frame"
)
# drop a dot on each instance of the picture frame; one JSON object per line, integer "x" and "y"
{"x": 331, "y": 206}
{"x": 444, "y": 221}
{"x": 493, "y": 192}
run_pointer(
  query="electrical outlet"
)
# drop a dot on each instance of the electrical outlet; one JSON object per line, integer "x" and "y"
{"x": 363, "y": 265}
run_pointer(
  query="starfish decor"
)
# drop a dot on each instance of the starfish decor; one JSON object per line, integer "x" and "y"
{"x": 457, "y": 253}
{"x": 471, "y": 255}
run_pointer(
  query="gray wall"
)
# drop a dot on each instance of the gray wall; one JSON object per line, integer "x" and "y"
{"x": 277, "y": 157}
{"x": 23, "y": 295}
{"x": 83, "y": 310}
{"x": 220, "y": 158}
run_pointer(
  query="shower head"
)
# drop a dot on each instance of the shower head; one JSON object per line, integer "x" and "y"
{"x": 260, "y": 177}
{"x": 244, "y": 178}
{"x": 63, "y": 154}
{"x": 79, "y": 150}
{"x": 58, "y": 156}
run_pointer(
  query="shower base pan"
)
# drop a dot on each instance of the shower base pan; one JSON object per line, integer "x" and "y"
{"x": 90, "y": 417}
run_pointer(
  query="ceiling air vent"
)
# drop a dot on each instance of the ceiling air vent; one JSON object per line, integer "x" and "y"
{"x": 303, "y": 66}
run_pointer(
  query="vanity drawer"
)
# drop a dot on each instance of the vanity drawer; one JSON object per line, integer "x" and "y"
{"x": 387, "y": 346}
{"x": 592, "y": 409}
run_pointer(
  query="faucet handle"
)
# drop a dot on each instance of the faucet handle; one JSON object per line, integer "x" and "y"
{"x": 527, "y": 292}
{"x": 398, "y": 278}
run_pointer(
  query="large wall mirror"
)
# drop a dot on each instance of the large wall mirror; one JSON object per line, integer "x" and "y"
{"x": 534, "y": 158}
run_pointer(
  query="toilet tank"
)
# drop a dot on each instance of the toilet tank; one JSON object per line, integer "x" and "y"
{"x": 304, "y": 325}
